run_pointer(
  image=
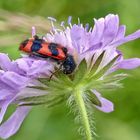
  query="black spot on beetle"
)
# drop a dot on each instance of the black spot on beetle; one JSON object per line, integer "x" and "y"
{"x": 53, "y": 48}
{"x": 36, "y": 45}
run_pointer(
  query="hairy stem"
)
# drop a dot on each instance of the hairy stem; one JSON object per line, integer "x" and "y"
{"x": 82, "y": 110}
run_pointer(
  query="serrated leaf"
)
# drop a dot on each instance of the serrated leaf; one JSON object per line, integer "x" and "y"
{"x": 93, "y": 98}
{"x": 81, "y": 72}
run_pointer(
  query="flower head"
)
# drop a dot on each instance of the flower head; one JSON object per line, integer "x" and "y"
{"x": 15, "y": 77}
{"x": 25, "y": 81}
{"x": 98, "y": 45}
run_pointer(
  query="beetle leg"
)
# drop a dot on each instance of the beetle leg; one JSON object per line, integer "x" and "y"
{"x": 53, "y": 73}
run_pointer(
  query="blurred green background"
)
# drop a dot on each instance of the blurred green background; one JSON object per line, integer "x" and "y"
{"x": 58, "y": 123}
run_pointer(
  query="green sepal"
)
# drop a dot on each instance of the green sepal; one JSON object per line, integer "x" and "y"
{"x": 34, "y": 98}
{"x": 91, "y": 62}
{"x": 96, "y": 64}
{"x": 38, "y": 87}
{"x": 57, "y": 102}
{"x": 109, "y": 82}
{"x": 63, "y": 78}
{"x": 102, "y": 71}
{"x": 105, "y": 68}
{"x": 47, "y": 100}
{"x": 44, "y": 81}
{"x": 93, "y": 98}
{"x": 80, "y": 72}
{"x": 60, "y": 85}
{"x": 115, "y": 78}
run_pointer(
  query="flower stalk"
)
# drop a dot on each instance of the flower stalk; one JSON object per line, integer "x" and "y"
{"x": 83, "y": 112}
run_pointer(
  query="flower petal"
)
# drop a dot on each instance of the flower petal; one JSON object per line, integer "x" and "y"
{"x": 22, "y": 64}
{"x": 5, "y": 62}
{"x": 126, "y": 39}
{"x": 111, "y": 28}
{"x": 30, "y": 92}
{"x": 129, "y": 64}
{"x": 121, "y": 33}
{"x": 39, "y": 68}
{"x": 60, "y": 39}
{"x": 107, "y": 106}
{"x": 78, "y": 38}
{"x": 3, "y": 106}
{"x": 14, "y": 80}
{"x": 97, "y": 32}
{"x": 11, "y": 126}
{"x": 4, "y": 93}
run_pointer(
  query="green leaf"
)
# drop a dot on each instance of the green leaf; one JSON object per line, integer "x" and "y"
{"x": 57, "y": 102}
{"x": 63, "y": 79}
{"x": 114, "y": 78}
{"x": 32, "y": 103}
{"x": 110, "y": 86}
{"x": 40, "y": 100}
{"x": 44, "y": 81}
{"x": 96, "y": 64}
{"x": 109, "y": 83}
{"x": 105, "y": 68}
{"x": 91, "y": 62}
{"x": 93, "y": 98}
{"x": 81, "y": 72}
{"x": 33, "y": 98}
{"x": 93, "y": 84}
{"x": 38, "y": 87}
{"x": 61, "y": 84}
{"x": 59, "y": 87}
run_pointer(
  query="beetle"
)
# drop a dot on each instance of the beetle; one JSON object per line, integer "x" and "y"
{"x": 41, "y": 48}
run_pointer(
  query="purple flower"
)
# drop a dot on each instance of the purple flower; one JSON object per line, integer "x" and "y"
{"x": 105, "y": 36}
{"x": 15, "y": 76}
{"x": 25, "y": 81}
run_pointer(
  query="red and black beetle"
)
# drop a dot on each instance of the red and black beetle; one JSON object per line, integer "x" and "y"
{"x": 41, "y": 48}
